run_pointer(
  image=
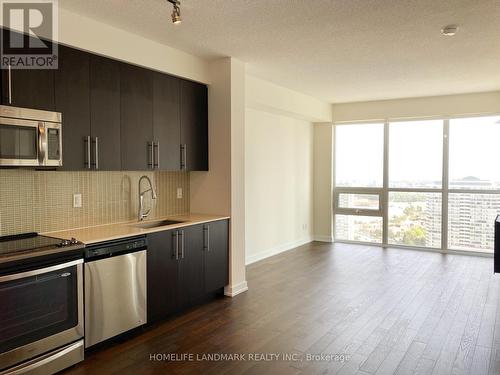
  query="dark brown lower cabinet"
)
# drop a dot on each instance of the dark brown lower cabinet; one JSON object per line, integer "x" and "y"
{"x": 185, "y": 266}
{"x": 216, "y": 250}
{"x": 162, "y": 274}
{"x": 191, "y": 283}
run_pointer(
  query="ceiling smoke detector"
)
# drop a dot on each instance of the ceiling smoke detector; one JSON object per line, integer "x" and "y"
{"x": 176, "y": 11}
{"x": 449, "y": 30}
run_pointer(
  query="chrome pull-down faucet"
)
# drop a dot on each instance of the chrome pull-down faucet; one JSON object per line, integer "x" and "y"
{"x": 151, "y": 189}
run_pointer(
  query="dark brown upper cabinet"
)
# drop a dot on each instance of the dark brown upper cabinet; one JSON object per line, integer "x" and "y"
{"x": 72, "y": 99}
{"x": 33, "y": 88}
{"x": 166, "y": 122}
{"x": 116, "y": 116}
{"x": 28, "y": 88}
{"x": 136, "y": 88}
{"x": 194, "y": 126}
{"x": 105, "y": 113}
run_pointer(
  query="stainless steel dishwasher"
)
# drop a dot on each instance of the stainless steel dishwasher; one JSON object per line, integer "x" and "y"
{"x": 115, "y": 288}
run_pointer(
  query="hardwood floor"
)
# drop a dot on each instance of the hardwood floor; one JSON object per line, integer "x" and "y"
{"x": 390, "y": 311}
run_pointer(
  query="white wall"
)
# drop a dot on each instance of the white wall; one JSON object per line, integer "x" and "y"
{"x": 269, "y": 97}
{"x": 448, "y": 105}
{"x": 279, "y": 178}
{"x": 279, "y": 167}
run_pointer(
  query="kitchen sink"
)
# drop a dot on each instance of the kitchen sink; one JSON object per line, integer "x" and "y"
{"x": 155, "y": 224}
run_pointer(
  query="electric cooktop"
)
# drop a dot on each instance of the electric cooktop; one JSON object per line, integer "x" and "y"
{"x": 21, "y": 246}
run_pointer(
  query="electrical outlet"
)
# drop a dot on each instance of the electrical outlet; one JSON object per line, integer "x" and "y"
{"x": 77, "y": 200}
{"x": 179, "y": 193}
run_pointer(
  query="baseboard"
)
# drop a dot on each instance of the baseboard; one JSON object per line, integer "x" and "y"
{"x": 276, "y": 250}
{"x": 234, "y": 290}
{"x": 322, "y": 238}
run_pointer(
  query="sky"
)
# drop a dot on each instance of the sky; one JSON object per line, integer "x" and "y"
{"x": 415, "y": 151}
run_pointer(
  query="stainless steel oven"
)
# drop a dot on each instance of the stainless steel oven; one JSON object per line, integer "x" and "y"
{"x": 30, "y": 137}
{"x": 41, "y": 319}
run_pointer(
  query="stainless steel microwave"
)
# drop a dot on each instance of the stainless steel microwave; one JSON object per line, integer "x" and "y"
{"x": 30, "y": 137}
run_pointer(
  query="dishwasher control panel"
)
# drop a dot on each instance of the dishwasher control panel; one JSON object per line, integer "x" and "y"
{"x": 115, "y": 248}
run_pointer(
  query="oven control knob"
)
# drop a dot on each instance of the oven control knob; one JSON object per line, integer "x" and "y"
{"x": 73, "y": 241}
{"x": 65, "y": 242}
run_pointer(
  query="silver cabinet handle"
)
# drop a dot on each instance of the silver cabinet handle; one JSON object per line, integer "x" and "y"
{"x": 10, "y": 84}
{"x": 87, "y": 142}
{"x": 183, "y": 157}
{"x": 175, "y": 238}
{"x": 95, "y": 164}
{"x": 150, "y": 155}
{"x": 181, "y": 234}
{"x": 206, "y": 237}
{"x": 156, "y": 161}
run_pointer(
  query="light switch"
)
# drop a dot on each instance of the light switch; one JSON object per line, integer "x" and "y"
{"x": 77, "y": 200}
{"x": 179, "y": 193}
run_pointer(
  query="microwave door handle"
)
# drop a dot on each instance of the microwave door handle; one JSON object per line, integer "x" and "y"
{"x": 42, "y": 143}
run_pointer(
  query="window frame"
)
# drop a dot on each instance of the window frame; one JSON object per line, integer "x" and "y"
{"x": 384, "y": 191}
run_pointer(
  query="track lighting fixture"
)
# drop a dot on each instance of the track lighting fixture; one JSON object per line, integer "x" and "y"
{"x": 176, "y": 11}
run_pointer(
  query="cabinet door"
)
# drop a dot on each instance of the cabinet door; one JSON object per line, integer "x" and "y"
{"x": 105, "y": 113}
{"x": 72, "y": 97}
{"x": 191, "y": 286}
{"x": 29, "y": 88}
{"x": 216, "y": 248}
{"x": 194, "y": 126}
{"x": 166, "y": 121}
{"x": 162, "y": 274}
{"x": 136, "y": 117}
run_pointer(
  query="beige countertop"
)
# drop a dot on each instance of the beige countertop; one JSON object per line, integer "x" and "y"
{"x": 101, "y": 233}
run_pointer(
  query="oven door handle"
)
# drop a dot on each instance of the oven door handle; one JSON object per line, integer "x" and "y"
{"x": 23, "y": 275}
{"x": 38, "y": 280}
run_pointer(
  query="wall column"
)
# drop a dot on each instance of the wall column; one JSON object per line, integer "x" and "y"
{"x": 222, "y": 189}
{"x": 323, "y": 182}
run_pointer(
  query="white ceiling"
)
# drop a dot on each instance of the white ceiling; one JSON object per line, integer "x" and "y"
{"x": 336, "y": 50}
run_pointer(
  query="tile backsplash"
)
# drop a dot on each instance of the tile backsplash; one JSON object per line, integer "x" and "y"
{"x": 42, "y": 201}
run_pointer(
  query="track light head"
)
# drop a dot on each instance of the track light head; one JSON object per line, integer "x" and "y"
{"x": 449, "y": 30}
{"x": 176, "y": 12}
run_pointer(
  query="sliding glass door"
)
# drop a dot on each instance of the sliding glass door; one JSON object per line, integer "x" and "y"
{"x": 425, "y": 183}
